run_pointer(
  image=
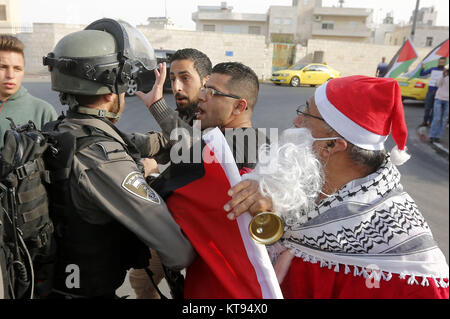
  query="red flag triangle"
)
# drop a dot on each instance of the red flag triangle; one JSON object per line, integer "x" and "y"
{"x": 408, "y": 52}
{"x": 443, "y": 50}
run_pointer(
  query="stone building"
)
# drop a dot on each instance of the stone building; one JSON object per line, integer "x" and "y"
{"x": 425, "y": 35}
{"x": 342, "y": 24}
{"x": 223, "y": 19}
{"x": 9, "y": 16}
{"x": 298, "y": 23}
{"x": 385, "y": 29}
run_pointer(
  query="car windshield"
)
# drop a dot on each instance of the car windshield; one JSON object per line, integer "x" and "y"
{"x": 298, "y": 66}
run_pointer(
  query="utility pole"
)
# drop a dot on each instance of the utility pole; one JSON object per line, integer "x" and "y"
{"x": 413, "y": 30}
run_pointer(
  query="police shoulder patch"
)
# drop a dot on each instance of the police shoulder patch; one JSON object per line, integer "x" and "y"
{"x": 136, "y": 185}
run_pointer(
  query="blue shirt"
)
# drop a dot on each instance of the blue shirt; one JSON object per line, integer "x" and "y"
{"x": 382, "y": 68}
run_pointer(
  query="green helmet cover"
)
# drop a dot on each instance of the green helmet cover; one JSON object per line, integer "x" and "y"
{"x": 82, "y": 44}
{"x": 100, "y": 59}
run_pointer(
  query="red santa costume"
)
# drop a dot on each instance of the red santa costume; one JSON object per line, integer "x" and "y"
{"x": 367, "y": 240}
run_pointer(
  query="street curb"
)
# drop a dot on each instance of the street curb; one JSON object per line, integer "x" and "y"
{"x": 422, "y": 134}
{"x": 440, "y": 149}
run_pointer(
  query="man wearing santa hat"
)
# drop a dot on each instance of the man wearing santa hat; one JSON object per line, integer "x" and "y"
{"x": 365, "y": 237}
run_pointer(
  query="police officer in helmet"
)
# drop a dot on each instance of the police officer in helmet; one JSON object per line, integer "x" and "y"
{"x": 105, "y": 214}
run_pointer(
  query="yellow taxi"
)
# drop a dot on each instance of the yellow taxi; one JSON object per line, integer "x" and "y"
{"x": 304, "y": 73}
{"x": 415, "y": 88}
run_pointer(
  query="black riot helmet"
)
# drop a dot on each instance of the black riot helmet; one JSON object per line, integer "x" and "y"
{"x": 99, "y": 59}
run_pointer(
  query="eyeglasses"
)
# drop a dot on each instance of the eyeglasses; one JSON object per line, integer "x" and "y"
{"x": 302, "y": 110}
{"x": 327, "y": 138}
{"x": 210, "y": 92}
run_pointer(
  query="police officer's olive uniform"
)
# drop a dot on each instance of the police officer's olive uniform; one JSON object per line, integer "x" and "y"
{"x": 105, "y": 214}
{"x": 108, "y": 190}
{"x": 106, "y": 178}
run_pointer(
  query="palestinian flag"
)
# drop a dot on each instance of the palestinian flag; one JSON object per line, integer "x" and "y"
{"x": 402, "y": 60}
{"x": 431, "y": 60}
{"x": 229, "y": 264}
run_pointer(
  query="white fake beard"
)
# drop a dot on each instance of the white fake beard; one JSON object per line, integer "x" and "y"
{"x": 291, "y": 175}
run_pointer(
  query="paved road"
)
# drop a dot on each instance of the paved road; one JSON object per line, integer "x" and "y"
{"x": 425, "y": 176}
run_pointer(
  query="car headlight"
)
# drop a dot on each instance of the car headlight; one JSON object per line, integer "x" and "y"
{"x": 283, "y": 74}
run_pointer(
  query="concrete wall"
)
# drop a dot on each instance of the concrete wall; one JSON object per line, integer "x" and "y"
{"x": 277, "y": 20}
{"x": 305, "y": 18}
{"x": 356, "y": 58}
{"x": 251, "y": 50}
{"x": 381, "y": 31}
{"x": 248, "y": 49}
{"x": 42, "y": 41}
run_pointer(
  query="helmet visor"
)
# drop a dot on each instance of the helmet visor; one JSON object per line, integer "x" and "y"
{"x": 140, "y": 49}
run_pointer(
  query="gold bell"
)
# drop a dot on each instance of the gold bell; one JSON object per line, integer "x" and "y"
{"x": 266, "y": 228}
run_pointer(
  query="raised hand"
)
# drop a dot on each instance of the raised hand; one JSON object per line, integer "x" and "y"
{"x": 157, "y": 91}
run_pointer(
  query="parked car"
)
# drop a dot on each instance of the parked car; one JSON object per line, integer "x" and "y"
{"x": 304, "y": 73}
{"x": 145, "y": 80}
{"x": 415, "y": 88}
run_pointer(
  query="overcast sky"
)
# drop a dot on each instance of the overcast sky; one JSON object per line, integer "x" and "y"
{"x": 180, "y": 11}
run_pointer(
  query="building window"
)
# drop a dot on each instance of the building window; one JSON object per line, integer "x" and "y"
{"x": 231, "y": 29}
{"x": 287, "y": 21}
{"x": 277, "y": 21}
{"x": 2, "y": 13}
{"x": 429, "y": 42}
{"x": 254, "y": 30}
{"x": 209, "y": 27}
{"x": 328, "y": 26}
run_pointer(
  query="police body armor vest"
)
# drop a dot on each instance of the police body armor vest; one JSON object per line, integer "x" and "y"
{"x": 92, "y": 259}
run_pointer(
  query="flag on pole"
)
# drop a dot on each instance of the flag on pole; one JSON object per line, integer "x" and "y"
{"x": 431, "y": 60}
{"x": 402, "y": 60}
{"x": 229, "y": 264}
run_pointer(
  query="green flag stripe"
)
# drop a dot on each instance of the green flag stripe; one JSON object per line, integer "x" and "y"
{"x": 403, "y": 67}
{"x": 428, "y": 64}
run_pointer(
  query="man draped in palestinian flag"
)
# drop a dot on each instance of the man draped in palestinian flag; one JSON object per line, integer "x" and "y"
{"x": 366, "y": 237}
{"x": 229, "y": 264}
{"x": 402, "y": 60}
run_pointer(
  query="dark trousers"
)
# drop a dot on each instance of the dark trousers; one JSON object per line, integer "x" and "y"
{"x": 429, "y": 104}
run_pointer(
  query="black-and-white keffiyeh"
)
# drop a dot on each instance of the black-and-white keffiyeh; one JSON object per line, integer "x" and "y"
{"x": 371, "y": 223}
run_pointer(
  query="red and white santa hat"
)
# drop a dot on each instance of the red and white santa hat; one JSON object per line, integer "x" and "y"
{"x": 365, "y": 110}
